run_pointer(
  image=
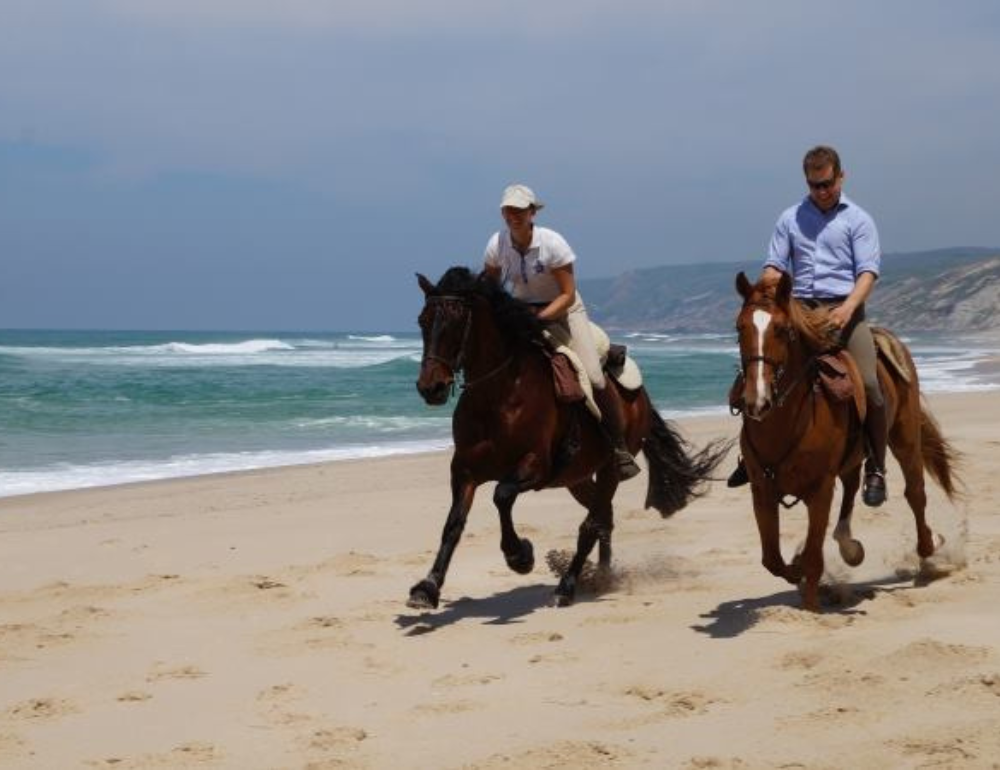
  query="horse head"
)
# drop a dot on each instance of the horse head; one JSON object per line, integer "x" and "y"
{"x": 767, "y": 336}
{"x": 445, "y": 323}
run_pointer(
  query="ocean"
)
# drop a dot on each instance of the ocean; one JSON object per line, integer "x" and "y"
{"x": 92, "y": 408}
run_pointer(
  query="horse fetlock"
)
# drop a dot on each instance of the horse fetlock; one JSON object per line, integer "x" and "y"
{"x": 425, "y": 595}
{"x": 523, "y": 560}
{"x": 563, "y": 595}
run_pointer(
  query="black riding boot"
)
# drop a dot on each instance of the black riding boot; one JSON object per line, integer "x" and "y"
{"x": 877, "y": 432}
{"x": 612, "y": 425}
{"x": 738, "y": 477}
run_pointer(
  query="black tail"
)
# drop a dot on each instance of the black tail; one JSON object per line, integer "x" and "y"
{"x": 676, "y": 476}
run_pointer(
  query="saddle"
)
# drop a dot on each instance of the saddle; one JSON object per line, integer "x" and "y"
{"x": 840, "y": 379}
{"x": 570, "y": 379}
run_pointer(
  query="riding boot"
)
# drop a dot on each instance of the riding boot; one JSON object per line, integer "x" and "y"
{"x": 613, "y": 428}
{"x": 738, "y": 477}
{"x": 876, "y": 430}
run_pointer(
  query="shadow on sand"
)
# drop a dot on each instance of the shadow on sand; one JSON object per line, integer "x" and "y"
{"x": 499, "y": 609}
{"x": 730, "y": 619}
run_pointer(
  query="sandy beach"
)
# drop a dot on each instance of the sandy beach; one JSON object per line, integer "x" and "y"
{"x": 258, "y": 620}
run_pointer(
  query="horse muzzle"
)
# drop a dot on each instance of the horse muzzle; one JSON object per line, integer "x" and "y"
{"x": 435, "y": 393}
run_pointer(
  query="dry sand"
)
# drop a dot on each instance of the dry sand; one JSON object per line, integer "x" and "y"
{"x": 258, "y": 621}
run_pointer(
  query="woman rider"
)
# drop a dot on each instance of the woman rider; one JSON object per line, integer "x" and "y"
{"x": 536, "y": 264}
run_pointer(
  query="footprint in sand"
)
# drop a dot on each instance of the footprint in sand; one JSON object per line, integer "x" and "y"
{"x": 538, "y": 637}
{"x": 932, "y": 655}
{"x": 133, "y": 696}
{"x": 42, "y": 708}
{"x": 162, "y": 671}
{"x": 276, "y": 704}
{"x": 714, "y": 763}
{"x": 185, "y": 755}
{"x": 564, "y": 755}
{"x": 668, "y": 704}
{"x": 454, "y": 680}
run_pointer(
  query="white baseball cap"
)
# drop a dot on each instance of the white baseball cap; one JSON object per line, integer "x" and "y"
{"x": 520, "y": 197}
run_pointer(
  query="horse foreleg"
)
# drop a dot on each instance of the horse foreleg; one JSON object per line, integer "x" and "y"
{"x": 812, "y": 553}
{"x": 765, "y": 511}
{"x": 851, "y": 550}
{"x": 518, "y": 552}
{"x": 596, "y": 527}
{"x": 427, "y": 593}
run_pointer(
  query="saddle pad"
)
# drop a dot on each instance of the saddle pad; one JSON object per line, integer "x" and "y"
{"x": 891, "y": 350}
{"x": 628, "y": 376}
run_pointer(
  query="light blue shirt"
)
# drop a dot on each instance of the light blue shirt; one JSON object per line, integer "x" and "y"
{"x": 825, "y": 252}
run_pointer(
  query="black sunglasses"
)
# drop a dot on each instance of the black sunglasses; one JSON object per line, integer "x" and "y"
{"x": 824, "y": 184}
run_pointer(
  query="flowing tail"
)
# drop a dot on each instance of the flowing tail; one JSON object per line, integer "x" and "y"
{"x": 940, "y": 457}
{"x": 676, "y": 476}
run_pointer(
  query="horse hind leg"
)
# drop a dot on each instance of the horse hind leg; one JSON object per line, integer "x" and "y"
{"x": 851, "y": 550}
{"x": 595, "y": 528}
{"x": 518, "y": 552}
{"x": 915, "y": 492}
{"x": 585, "y": 493}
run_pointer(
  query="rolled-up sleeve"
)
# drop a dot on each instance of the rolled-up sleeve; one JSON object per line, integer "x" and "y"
{"x": 779, "y": 252}
{"x": 491, "y": 256}
{"x": 867, "y": 252}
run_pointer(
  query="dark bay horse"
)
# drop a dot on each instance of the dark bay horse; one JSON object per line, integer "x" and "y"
{"x": 796, "y": 441}
{"x": 509, "y": 427}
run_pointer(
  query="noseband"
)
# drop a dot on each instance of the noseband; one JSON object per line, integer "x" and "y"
{"x": 778, "y": 367}
{"x": 455, "y": 305}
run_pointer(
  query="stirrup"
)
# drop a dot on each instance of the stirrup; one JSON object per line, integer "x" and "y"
{"x": 874, "y": 492}
{"x": 626, "y": 465}
{"x": 738, "y": 477}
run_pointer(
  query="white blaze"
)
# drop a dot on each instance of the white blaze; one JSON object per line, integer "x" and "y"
{"x": 761, "y": 320}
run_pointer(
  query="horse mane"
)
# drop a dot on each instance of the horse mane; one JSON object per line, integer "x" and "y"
{"x": 515, "y": 318}
{"x": 813, "y": 326}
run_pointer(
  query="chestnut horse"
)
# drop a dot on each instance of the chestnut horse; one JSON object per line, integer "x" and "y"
{"x": 509, "y": 427}
{"x": 796, "y": 441}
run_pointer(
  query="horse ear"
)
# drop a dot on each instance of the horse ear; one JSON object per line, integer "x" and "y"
{"x": 426, "y": 285}
{"x": 743, "y": 285}
{"x": 784, "y": 291}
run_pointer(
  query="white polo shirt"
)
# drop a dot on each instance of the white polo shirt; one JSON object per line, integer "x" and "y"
{"x": 529, "y": 276}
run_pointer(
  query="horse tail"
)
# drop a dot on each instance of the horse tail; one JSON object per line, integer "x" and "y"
{"x": 940, "y": 458}
{"x": 676, "y": 475}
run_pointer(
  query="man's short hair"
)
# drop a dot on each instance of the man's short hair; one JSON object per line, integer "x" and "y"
{"x": 820, "y": 157}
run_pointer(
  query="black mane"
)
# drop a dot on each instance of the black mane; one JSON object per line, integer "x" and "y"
{"x": 514, "y": 317}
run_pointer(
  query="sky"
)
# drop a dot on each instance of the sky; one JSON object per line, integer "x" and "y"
{"x": 265, "y": 165}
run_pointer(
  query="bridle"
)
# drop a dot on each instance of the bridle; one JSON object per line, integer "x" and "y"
{"x": 464, "y": 304}
{"x": 779, "y": 370}
{"x": 780, "y": 396}
{"x": 449, "y": 302}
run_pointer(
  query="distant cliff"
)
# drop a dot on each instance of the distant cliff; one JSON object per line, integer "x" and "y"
{"x": 950, "y": 290}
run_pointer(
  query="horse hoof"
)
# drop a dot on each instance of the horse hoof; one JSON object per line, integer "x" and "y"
{"x": 852, "y": 552}
{"x": 561, "y": 600}
{"x": 424, "y": 596}
{"x": 524, "y": 561}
